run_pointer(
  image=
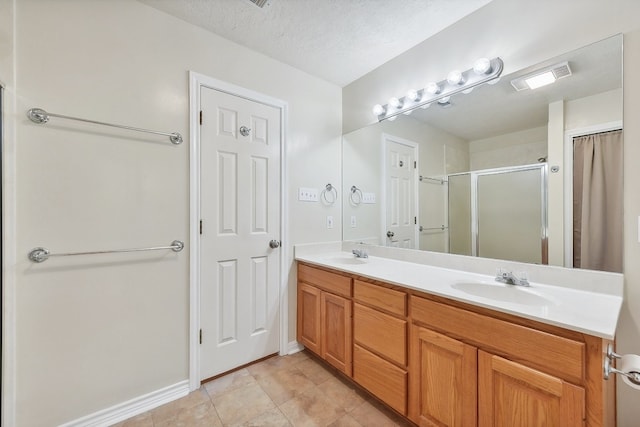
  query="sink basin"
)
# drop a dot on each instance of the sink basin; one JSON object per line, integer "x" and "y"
{"x": 347, "y": 259}
{"x": 506, "y": 293}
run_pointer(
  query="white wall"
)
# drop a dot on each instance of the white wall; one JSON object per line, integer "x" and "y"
{"x": 95, "y": 332}
{"x": 513, "y": 149}
{"x": 524, "y": 33}
{"x": 592, "y": 110}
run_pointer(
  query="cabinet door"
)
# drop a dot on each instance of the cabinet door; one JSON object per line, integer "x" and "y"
{"x": 514, "y": 395}
{"x": 336, "y": 331}
{"x": 443, "y": 380}
{"x": 309, "y": 324}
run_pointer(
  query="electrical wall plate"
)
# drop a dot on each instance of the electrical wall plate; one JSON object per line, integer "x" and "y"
{"x": 368, "y": 198}
{"x": 307, "y": 194}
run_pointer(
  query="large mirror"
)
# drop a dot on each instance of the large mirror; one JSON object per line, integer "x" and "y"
{"x": 524, "y": 175}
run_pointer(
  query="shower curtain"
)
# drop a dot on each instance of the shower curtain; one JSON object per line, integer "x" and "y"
{"x": 597, "y": 201}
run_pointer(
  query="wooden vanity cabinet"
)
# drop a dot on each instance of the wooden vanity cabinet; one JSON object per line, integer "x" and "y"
{"x": 514, "y": 374}
{"x": 380, "y": 342}
{"x": 324, "y": 315}
{"x": 445, "y": 363}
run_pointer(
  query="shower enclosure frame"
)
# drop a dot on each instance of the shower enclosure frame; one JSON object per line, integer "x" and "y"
{"x": 544, "y": 219}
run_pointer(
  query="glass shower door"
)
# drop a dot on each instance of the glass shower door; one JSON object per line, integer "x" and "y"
{"x": 511, "y": 215}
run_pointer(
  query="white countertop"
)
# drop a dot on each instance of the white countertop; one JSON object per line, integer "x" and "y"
{"x": 588, "y": 312}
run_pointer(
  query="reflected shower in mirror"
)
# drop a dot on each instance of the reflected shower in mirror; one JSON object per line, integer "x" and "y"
{"x": 491, "y": 173}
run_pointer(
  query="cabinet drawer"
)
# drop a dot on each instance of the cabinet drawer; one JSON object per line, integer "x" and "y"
{"x": 560, "y": 356}
{"x": 383, "y": 379}
{"x": 331, "y": 282}
{"x": 380, "y": 297}
{"x": 384, "y": 334}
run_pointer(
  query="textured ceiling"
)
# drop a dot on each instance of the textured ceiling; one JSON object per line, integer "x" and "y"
{"x": 336, "y": 40}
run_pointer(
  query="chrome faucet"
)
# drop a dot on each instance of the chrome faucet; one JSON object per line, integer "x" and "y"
{"x": 360, "y": 253}
{"x": 511, "y": 279}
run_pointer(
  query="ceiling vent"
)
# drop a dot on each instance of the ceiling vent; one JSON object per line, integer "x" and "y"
{"x": 260, "y": 3}
{"x": 542, "y": 77}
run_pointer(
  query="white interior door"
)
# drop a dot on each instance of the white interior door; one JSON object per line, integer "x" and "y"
{"x": 240, "y": 211}
{"x": 400, "y": 186}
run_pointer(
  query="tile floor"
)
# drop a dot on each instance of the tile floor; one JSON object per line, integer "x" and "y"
{"x": 294, "y": 390}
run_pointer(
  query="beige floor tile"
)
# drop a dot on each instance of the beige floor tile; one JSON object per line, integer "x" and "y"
{"x": 368, "y": 414}
{"x": 229, "y": 382}
{"x": 268, "y": 367}
{"x": 272, "y": 418}
{"x": 170, "y": 410}
{"x": 342, "y": 393}
{"x": 285, "y": 384}
{"x": 203, "y": 415}
{"x": 297, "y": 357}
{"x": 311, "y": 408}
{"x": 142, "y": 420}
{"x": 242, "y": 404}
{"x": 314, "y": 371}
{"x": 346, "y": 421}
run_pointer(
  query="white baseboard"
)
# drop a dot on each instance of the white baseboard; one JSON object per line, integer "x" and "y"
{"x": 294, "y": 347}
{"x": 133, "y": 407}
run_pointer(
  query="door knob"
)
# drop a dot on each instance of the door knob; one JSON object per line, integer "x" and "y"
{"x": 274, "y": 244}
{"x": 390, "y": 234}
{"x": 244, "y": 131}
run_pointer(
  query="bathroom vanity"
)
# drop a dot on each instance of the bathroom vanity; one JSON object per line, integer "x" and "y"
{"x": 455, "y": 348}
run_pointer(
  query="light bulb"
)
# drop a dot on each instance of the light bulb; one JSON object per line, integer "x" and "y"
{"x": 455, "y": 78}
{"x": 392, "y": 118}
{"x": 444, "y": 100}
{"x": 425, "y": 106}
{"x": 407, "y": 113}
{"x": 482, "y": 66}
{"x": 433, "y": 88}
{"x": 467, "y": 91}
{"x": 395, "y": 102}
{"x": 413, "y": 95}
{"x": 378, "y": 110}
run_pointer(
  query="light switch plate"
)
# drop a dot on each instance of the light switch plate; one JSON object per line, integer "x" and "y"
{"x": 307, "y": 194}
{"x": 329, "y": 221}
{"x": 368, "y": 198}
{"x": 353, "y": 221}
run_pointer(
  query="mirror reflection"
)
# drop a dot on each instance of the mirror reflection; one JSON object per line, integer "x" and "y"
{"x": 506, "y": 171}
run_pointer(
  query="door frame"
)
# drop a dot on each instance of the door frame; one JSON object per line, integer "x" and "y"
{"x": 196, "y": 82}
{"x": 383, "y": 185}
{"x": 568, "y": 179}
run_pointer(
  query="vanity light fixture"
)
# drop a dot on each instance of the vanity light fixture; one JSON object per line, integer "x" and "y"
{"x": 483, "y": 71}
{"x": 433, "y": 88}
{"x": 455, "y": 78}
{"x": 543, "y": 77}
{"x": 378, "y": 110}
{"x": 413, "y": 95}
{"x": 395, "y": 103}
{"x": 482, "y": 66}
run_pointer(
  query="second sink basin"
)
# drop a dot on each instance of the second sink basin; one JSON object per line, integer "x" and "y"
{"x": 506, "y": 293}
